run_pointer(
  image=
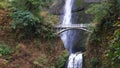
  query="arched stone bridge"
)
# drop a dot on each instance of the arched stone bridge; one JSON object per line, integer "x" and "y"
{"x": 62, "y": 28}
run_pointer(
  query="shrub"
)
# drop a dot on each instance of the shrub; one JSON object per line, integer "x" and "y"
{"x": 28, "y": 21}
{"x": 62, "y": 60}
{"x": 5, "y": 50}
{"x": 113, "y": 52}
{"x": 4, "y": 4}
{"x": 25, "y": 22}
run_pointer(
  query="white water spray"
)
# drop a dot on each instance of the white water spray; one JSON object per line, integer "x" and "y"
{"x": 76, "y": 59}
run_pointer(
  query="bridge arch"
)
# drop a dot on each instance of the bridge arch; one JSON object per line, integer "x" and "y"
{"x": 72, "y": 29}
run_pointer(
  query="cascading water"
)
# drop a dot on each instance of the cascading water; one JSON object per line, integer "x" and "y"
{"x": 67, "y": 21}
{"x": 75, "y": 59}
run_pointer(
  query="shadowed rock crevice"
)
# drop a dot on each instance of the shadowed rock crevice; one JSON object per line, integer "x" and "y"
{"x": 57, "y": 8}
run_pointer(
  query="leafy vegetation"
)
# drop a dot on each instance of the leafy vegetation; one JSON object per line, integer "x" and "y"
{"x": 5, "y": 50}
{"x": 34, "y": 6}
{"x": 4, "y": 4}
{"x": 62, "y": 60}
{"x": 27, "y": 19}
{"x": 106, "y": 15}
{"x": 94, "y": 62}
{"x": 105, "y": 11}
{"x": 113, "y": 53}
{"x": 41, "y": 61}
{"x": 25, "y": 22}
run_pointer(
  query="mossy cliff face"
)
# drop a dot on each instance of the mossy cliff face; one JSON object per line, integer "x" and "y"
{"x": 97, "y": 44}
{"x": 101, "y": 51}
{"x": 101, "y": 48}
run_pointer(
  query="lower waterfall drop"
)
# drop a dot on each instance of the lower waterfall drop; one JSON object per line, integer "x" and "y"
{"x": 75, "y": 60}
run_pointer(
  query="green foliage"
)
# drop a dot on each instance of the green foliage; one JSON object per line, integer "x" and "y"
{"x": 94, "y": 61}
{"x": 5, "y": 50}
{"x": 4, "y": 4}
{"x": 105, "y": 15}
{"x": 62, "y": 60}
{"x": 107, "y": 10}
{"x": 96, "y": 38}
{"x": 25, "y": 22}
{"x": 41, "y": 61}
{"x": 30, "y": 26}
{"x": 114, "y": 49}
{"x": 34, "y": 6}
{"x": 99, "y": 10}
{"x": 28, "y": 21}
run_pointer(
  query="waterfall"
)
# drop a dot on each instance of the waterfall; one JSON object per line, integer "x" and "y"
{"x": 75, "y": 59}
{"x": 66, "y": 21}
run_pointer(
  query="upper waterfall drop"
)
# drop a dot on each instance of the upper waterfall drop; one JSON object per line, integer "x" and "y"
{"x": 67, "y": 20}
{"x": 67, "y": 12}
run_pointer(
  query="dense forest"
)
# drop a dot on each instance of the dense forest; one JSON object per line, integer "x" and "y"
{"x": 28, "y": 39}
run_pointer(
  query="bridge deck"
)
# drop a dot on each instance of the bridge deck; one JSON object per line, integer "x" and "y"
{"x": 71, "y": 26}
